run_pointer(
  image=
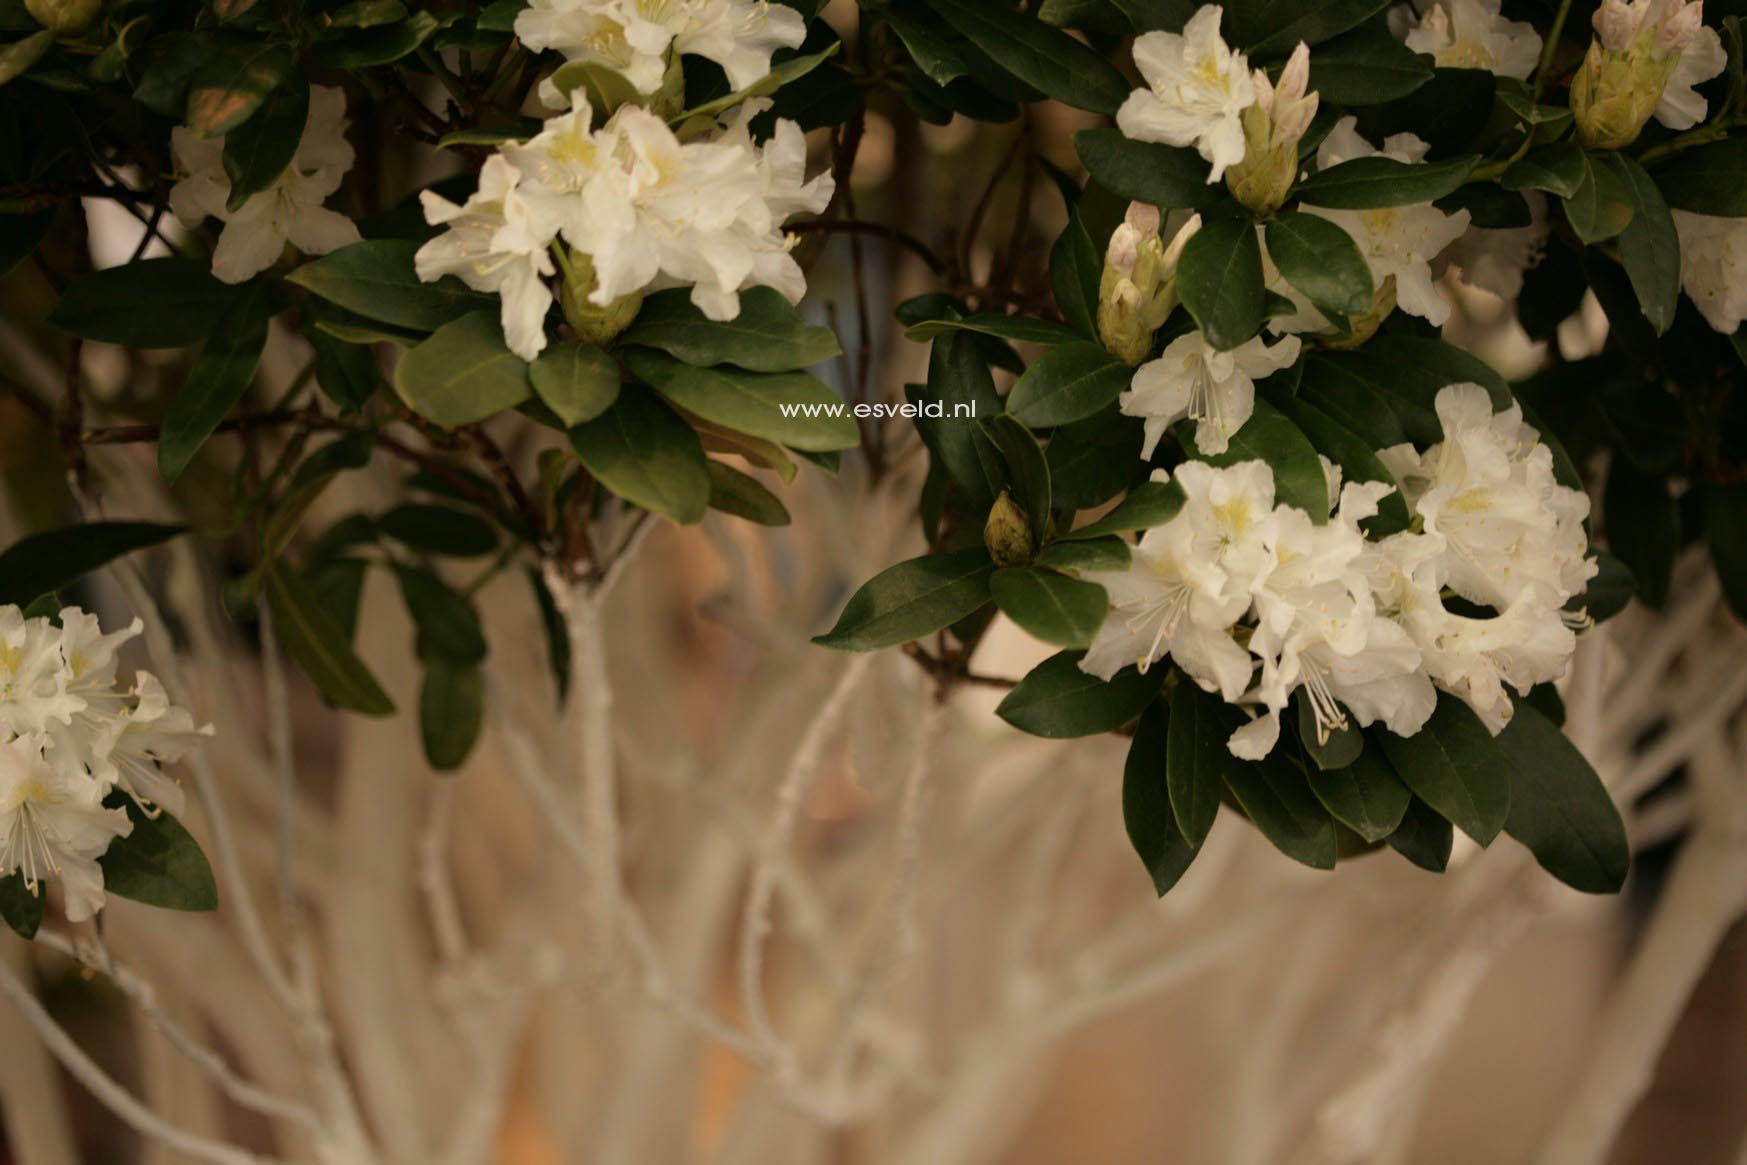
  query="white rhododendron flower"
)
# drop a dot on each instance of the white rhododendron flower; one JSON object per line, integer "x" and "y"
{"x": 1489, "y": 491}
{"x": 53, "y": 824}
{"x": 1317, "y": 628}
{"x": 1713, "y": 267}
{"x": 649, "y": 210}
{"x": 638, "y": 38}
{"x": 1473, "y": 34}
{"x": 1197, "y": 90}
{"x": 68, "y": 738}
{"x": 1216, "y": 390}
{"x": 1190, "y": 580}
{"x": 289, "y": 211}
{"x": 1399, "y": 243}
{"x": 493, "y": 245}
{"x": 1494, "y": 259}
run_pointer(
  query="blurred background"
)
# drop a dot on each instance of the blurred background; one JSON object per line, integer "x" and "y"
{"x": 853, "y": 925}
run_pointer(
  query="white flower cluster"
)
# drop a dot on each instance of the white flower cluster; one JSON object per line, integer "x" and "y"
{"x": 639, "y": 38}
{"x": 68, "y": 738}
{"x": 288, "y": 211}
{"x": 1361, "y": 625}
{"x": 648, "y": 209}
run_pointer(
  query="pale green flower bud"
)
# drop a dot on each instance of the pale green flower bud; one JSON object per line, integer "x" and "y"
{"x": 64, "y": 16}
{"x": 1138, "y": 289}
{"x": 1619, "y": 85}
{"x": 594, "y": 323}
{"x": 1007, "y": 533}
{"x": 1272, "y": 128}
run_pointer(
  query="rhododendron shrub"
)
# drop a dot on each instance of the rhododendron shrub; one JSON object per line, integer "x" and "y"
{"x": 1214, "y": 440}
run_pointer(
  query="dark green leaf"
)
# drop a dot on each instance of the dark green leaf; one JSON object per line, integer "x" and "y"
{"x": 229, "y": 89}
{"x": 1725, "y": 528}
{"x": 1197, "y": 759}
{"x": 644, "y": 453}
{"x": 1601, "y": 206}
{"x": 767, "y": 336}
{"x": 1643, "y": 528}
{"x": 1074, "y": 270}
{"x": 448, "y": 627}
{"x": 1091, "y": 461}
{"x": 1707, "y": 179}
{"x": 1375, "y": 182}
{"x": 1340, "y": 748}
{"x": 1068, "y": 383}
{"x": 1269, "y": 436}
{"x": 346, "y": 373}
{"x": 1037, "y": 54}
{"x": 1109, "y": 553}
{"x": 1059, "y": 700}
{"x": 1608, "y": 592}
{"x": 1455, "y": 766}
{"x": 1275, "y": 794}
{"x": 1149, "y": 504}
{"x": 1016, "y": 328}
{"x": 1057, "y": 609}
{"x": 1165, "y": 176}
{"x": 439, "y": 530}
{"x": 792, "y": 408}
{"x": 381, "y": 45}
{"x": 736, "y": 493}
{"x": 557, "y": 635}
{"x": 1320, "y": 259}
{"x": 463, "y": 373}
{"x": 911, "y": 599}
{"x": 1146, "y": 805}
{"x": 154, "y": 303}
{"x": 1366, "y": 67}
{"x": 320, "y": 645}
{"x": 1027, "y": 470}
{"x": 375, "y": 279}
{"x": 56, "y": 559}
{"x": 158, "y": 863}
{"x": 1649, "y": 247}
{"x": 20, "y": 906}
{"x": 19, "y": 236}
{"x": 338, "y": 585}
{"x": 1366, "y": 796}
{"x": 257, "y": 152}
{"x": 1423, "y": 838}
{"x": 219, "y": 379}
{"x": 451, "y": 710}
{"x": 961, "y": 387}
{"x": 1270, "y": 26}
{"x": 579, "y": 382}
{"x": 1220, "y": 281}
{"x": 1354, "y": 455}
{"x": 1558, "y": 169}
{"x": 1559, "y": 808}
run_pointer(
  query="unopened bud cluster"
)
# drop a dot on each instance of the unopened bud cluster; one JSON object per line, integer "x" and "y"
{"x": 1138, "y": 289}
{"x": 1272, "y": 129}
{"x": 1635, "y": 51}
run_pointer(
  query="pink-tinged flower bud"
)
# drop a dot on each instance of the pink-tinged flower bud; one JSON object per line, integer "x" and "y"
{"x": 1143, "y": 217}
{"x": 1295, "y": 77}
{"x": 1123, "y": 250}
{"x": 1680, "y": 24}
{"x": 1138, "y": 289}
{"x": 1616, "y": 25}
